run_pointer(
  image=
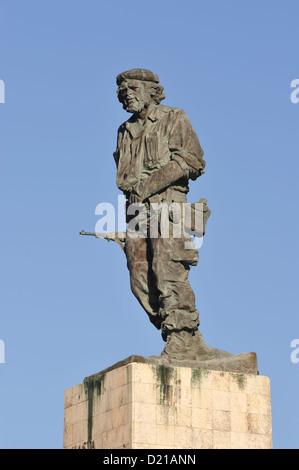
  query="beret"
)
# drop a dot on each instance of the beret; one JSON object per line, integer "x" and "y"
{"x": 137, "y": 74}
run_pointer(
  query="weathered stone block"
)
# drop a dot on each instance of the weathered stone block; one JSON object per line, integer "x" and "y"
{"x": 137, "y": 404}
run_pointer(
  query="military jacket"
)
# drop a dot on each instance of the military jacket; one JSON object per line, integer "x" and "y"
{"x": 165, "y": 135}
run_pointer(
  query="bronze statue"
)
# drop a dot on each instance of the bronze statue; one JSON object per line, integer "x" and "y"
{"x": 157, "y": 153}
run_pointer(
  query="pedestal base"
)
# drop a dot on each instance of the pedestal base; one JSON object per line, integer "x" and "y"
{"x": 136, "y": 404}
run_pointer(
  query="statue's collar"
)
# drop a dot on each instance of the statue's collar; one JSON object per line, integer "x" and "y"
{"x": 152, "y": 115}
{"x": 131, "y": 123}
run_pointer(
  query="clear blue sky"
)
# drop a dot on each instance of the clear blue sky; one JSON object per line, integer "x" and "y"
{"x": 66, "y": 306}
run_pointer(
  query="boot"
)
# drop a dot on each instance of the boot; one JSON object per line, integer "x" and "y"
{"x": 187, "y": 347}
{"x": 190, "y": 346}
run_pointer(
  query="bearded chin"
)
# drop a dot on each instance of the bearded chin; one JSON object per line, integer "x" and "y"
{"x": 135, "y": 108}
{"x": 145, "y": 106}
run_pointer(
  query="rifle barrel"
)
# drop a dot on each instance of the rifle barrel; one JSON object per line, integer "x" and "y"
{"x": 86, "y": 233}
{"x": 107, "y": 236}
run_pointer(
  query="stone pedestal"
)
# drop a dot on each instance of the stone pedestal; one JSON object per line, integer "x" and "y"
{"x": 137, "y": 404}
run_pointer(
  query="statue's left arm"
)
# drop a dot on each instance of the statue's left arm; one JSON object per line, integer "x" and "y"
{"x": 186, "y": 159}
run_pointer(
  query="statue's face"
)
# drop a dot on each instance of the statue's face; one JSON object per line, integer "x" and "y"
{"x": 134, "y": 95}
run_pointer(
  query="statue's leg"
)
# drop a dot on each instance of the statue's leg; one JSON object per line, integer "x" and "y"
{"x": 176, "y": 297}
{"x": 171, "y": 261}
{"x": 143, "y": 285}
{"x": 179, "y": 317}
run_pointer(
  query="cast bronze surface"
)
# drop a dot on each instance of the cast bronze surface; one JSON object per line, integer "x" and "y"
{"x": 157, "y": 154}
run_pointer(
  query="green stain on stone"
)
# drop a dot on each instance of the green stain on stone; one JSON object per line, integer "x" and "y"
{"x": 164, "y": 376}
{"x": 197, "y": 375}
{"x": 240, "y": 379}
{"x": 165, "y": 394}
{"x": 129, "y": 374}
{"x": 92, "y": 386}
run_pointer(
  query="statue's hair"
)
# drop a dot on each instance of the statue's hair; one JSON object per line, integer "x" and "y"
{"x": 156, "y": 91}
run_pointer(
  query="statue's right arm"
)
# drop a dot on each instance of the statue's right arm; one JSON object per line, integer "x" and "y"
{"x": 186, "y": 159}
{"x": 159, "y": 180}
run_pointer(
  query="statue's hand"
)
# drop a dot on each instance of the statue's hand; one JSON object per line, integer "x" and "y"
{"x": 139, "y": 191}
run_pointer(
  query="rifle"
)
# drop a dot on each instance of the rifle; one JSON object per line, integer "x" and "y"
{"x": 118, "y": 237}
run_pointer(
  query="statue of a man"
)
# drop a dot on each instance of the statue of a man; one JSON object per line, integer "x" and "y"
{"x": 157, "y": 153}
